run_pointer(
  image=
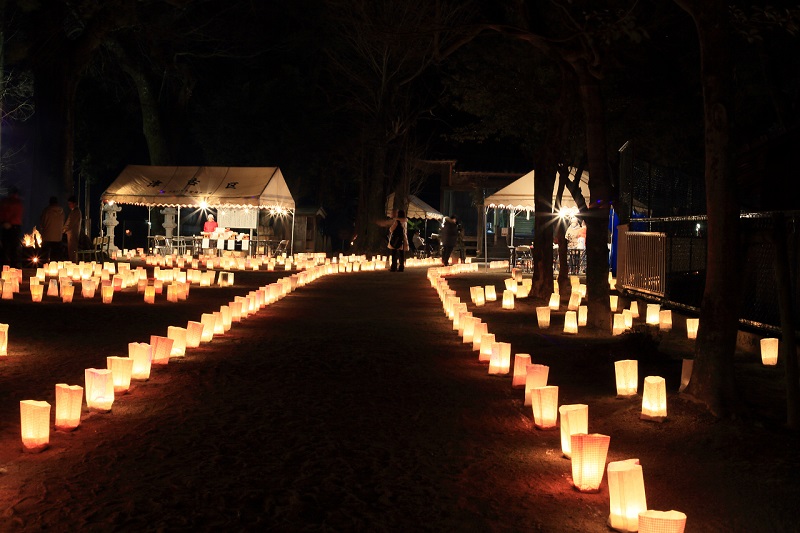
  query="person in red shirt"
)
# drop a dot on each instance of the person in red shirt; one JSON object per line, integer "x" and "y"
{"x": 10, "y": 227}
{"x": 211, "y": 225}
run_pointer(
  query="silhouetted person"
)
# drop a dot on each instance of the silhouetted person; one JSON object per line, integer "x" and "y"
{"x": 10, "y": 227}
{"x": 448, "y": 237}
{"x": 72, "y": 228}
{"x": 51, "y": 226}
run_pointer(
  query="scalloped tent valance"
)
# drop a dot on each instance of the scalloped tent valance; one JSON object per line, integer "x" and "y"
{"x": 518, "y": 196}
{"x": 202, "y": 186}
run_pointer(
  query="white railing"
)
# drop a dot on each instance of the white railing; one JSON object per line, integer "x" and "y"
{"x": 645, "y": 264}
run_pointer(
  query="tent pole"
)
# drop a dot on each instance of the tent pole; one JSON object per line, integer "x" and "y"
{"x": 291, "y": 249}
{"x": 485, "y": 237}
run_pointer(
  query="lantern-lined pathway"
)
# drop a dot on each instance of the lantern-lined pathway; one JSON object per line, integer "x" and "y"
{"x": 351, "y": 403}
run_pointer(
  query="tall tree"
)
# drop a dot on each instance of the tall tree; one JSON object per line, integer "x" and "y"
{"x": 382, "y": 58}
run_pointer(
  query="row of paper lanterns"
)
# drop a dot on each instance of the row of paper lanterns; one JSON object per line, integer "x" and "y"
{"x": 587, "y": 452}
{"x": 101, "y": 385}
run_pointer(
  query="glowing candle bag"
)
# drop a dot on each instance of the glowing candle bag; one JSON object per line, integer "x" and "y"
{"x": 543, "y": 317}
{"x": 490, "y": 293}
{"x": 544, "y": 402}
{"x": 178, "y": 336}
{"x": 665, "y": 320}
{"x": 574, "y": 419}
{"x": 3, "y": 339}
{"x": 589, "y": 460}
{"x": 194, "y": 333}
{"x": 654, "y": 399}
{"x": 142, "y": 355}
{"x": 571, "y": 322}
{"x": 618, "y": 328}
{"x": 121, "y": 371}
{"x": 652, "y": 314}
{"x": 99, "y": 389}
{"x": 662, "y": 522}
{"x": 479, "y": 330}
{"x": 521, "y": 362}
{"x": 35, "y": 425}
{"x": 508, "y": 299}
{"x": 161, "y": 348}
{"x": 69, "y": 400}
{"x": 626, "y": 494}
{"x": 535, "y": 377}
{"x": 485, "y": 355}
{"x": 692, "y": 324}
{"x": 627, "y": 375}
{"x": 500, "y": 360}
{"x": 769, "y": 351}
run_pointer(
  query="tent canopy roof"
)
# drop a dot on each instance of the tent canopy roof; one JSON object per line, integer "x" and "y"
{"x": 416, "y": 208}
{"x": 518, "y": 196}
{"x": 262, "y": 187}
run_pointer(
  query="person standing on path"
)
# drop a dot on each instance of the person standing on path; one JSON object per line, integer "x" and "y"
{"x": 448, "y": 237}
{"x": 398, "y": 241}
{"x": 10, "y": 226}
{"x": 51, "y": 223}
{"x": 72, "y": 228}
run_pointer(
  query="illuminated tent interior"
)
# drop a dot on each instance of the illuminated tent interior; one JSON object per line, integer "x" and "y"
{"x": 518, "y": 196}
{"x": 229, "y": 190}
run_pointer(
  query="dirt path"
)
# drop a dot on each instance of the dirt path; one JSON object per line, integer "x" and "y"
{"x": 351, "y": 405}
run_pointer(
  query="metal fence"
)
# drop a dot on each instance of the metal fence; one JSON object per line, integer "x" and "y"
{"x": 665, "y": 259}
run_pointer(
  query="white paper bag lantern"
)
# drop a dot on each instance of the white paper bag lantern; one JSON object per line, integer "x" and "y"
{"x": 627, "y": 315}
{"x": 236, "y": 311}
{"x": 208, "y": 320}
{"x": 67, "y": 291}
{"x": 36, "y": 293}
{"x": 161, "y": 348}
{"x": 178, "y": 336}
{"x": 535, "y": 377}
{"x": 52, "y": 288}
{"x": 574, "y": 418}
{"x": 121, "y": 371}
{"x": 194, "y": 334}
{"x": 654, "y": 399}
{"x": 665, "y": 320}
{"x": 227, "y": 319}
{"x": 544, "y": 402}
{"x": 107, "y": 293}
{"x": 35, "y": 425}
{"x": 142, "y": 357}
{"x": 571, "y": 322}
{"x": 574, "y": 301}
{"x": 508, "y": 299}
{"x": 662, "y": 522}
{"x": 627, "y": 375}
{"x": 583, "y": 314}
{"x": 479, "y": 330}
{"x": 510, "y": 284}
{"x": 69, "y": 400}
{"x": 521, "y": 362}
{"x": 500, "y": 360}
{"x": 626, "y": 494}
{"x": 543, "y": 317}
{"x": 613, "y": 301}
{"x": 3, "y": 339}
{"x": 219, "y": 328}
{"x": 634, "y": 309}
{"x": 490, "y": 293}
{"x": 589, "y": 460}
{"x": 769, "y": 351}
{"x": 651, "y": 314}
{"x": 150, "y": 294}
{"x": 618, "y": 327}
{"x": 686, "y": 373}
{"x": 692, "y": 324}
{"x": 485, "y": 354}
{"x": 555, "y": 301}
{"x": 99, "y": 389}
{"x": 469, "y": 329}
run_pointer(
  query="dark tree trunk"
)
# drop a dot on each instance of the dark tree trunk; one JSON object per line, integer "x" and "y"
{"x": 712, "y": 380}
{"x": 596, "y": 216}
{"x": 372, "y": 202}
{"x": 789, "y": 341}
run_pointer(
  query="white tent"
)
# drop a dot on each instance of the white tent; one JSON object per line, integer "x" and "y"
{"x": 519, "y": 196}
{"x": 416, "y": 208}
{"x": 202, "y": 187}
